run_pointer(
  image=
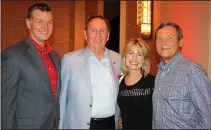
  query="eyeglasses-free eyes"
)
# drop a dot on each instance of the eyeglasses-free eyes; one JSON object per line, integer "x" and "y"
{"x": 159, "y": 39}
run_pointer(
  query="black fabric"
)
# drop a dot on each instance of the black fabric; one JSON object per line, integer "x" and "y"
{"x": 102, "y": 123}
{"x": 135, "y": 103}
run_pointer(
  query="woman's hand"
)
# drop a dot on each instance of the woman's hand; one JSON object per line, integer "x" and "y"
{"x": 120, "y": 123}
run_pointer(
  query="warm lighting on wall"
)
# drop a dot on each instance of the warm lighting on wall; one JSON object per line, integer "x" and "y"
{"x": 144, "y": 17}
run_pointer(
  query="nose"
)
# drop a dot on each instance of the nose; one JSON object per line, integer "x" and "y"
{"x": 98, "y": 33}
{"x": 45, "y": 26}
{"x": 164, "y": 41}
{"x": 135, "y": 57}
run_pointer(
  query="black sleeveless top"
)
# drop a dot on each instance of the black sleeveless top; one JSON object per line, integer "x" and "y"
{"x": 135, "y": 103}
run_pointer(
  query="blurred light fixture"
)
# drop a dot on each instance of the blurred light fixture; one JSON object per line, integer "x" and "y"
{"x": 144, "y": 17}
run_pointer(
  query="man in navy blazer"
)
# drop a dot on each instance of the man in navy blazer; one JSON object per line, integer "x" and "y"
{"x": 90, "y": 81}
{"x": 30, "y": 76}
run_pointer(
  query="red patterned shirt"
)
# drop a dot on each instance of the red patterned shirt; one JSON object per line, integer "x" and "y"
{"x": 44, "y": 52}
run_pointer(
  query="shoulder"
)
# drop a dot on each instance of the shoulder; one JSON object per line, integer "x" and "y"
{"x": 149, "y": 80}
{"x": 190, "y": 66}
{"x": 150, "y": 77}
{"x": 114, "y": 56}
{"x": 72, "y": 54}
{"x": 195, "y": 76}
{"x": 10, "y": 56}
{"x": 15, "y": 49}
{"x": 113, "y": 53}
{"x": 192, "y": 69}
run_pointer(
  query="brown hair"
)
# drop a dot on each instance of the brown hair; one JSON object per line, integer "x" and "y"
{"x": 171, "y": 24}
{"x": 97, "y": 16}
{"x": 40, "y": 6}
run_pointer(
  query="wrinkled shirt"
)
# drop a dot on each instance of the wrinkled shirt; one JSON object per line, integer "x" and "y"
{"x": 102, "y": 86}
{"x": 182, "y": 96}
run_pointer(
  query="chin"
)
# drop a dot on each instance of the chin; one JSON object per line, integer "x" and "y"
{"x": 135, "y": 68}
{"x": 164, "y": 54}
{"x": 46, "y": 38}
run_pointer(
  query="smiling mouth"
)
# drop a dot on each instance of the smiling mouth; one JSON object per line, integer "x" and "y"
{"x": 97, "y": 40}
{"x": 133, "y": 63}
{"x": 44, "y": 32}
{"x": 165, "y": 49}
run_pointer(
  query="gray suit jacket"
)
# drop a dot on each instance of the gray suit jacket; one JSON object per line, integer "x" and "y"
{"x": 76, "y": 94}
{"x": 26, "y": 96}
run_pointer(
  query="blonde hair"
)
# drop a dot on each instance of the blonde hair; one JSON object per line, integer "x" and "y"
{"x": 144, "y": 48}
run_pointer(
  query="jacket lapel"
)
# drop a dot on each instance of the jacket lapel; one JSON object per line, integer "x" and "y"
{"x": 37, "y": 61}
{"x": 85, "y": 67}
{"x": 57, "y": 65}
{"x": 113, "y": 63}
{"x": 84, "y": 60}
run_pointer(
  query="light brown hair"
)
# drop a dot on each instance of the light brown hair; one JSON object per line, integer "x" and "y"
{"x": 144, "y": 48}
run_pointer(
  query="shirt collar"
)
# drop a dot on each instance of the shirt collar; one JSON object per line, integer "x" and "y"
{"x": 170, "y": 64}
{"x": 42, "y": 50}
{"x": 92, "y": 55}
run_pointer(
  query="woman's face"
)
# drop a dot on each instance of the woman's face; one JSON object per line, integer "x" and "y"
{"x": 134, "y": 59}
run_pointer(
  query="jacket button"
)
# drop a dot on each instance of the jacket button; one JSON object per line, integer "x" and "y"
{"x": 87, "y": 123}
{"x": 90, "y": 105}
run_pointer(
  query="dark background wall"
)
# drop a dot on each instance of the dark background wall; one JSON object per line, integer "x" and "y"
{"x": 112, "y": 13}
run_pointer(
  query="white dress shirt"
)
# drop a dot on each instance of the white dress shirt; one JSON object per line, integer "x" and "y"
{"x": 102, "y": 87}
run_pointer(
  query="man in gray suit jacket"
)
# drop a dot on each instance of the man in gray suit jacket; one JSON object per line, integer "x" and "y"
{"x": 30, "y": 76}
{"x": 90, "y": 81}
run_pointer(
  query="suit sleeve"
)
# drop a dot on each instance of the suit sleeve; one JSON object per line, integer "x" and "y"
{"x": 10, "y": 76}
{"x": 63, "y": 95}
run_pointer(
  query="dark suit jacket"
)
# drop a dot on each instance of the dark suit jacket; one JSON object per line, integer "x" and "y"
{"x": 26, "y": 97}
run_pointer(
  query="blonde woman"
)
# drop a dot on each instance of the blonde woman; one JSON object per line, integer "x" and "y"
{"x": 135, "y": 92}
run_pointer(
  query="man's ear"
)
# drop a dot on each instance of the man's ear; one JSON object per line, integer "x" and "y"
{"x": 28, "y": 23}
{"x": 108, "y": 36}
{"x": 85, "y": 35}
{"x": 180, "y": 42}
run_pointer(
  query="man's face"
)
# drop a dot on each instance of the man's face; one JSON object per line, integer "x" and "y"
{"x": 40, "y": 26}
{"x": 167, "y": 43}
{"x": 97, "y": 33}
